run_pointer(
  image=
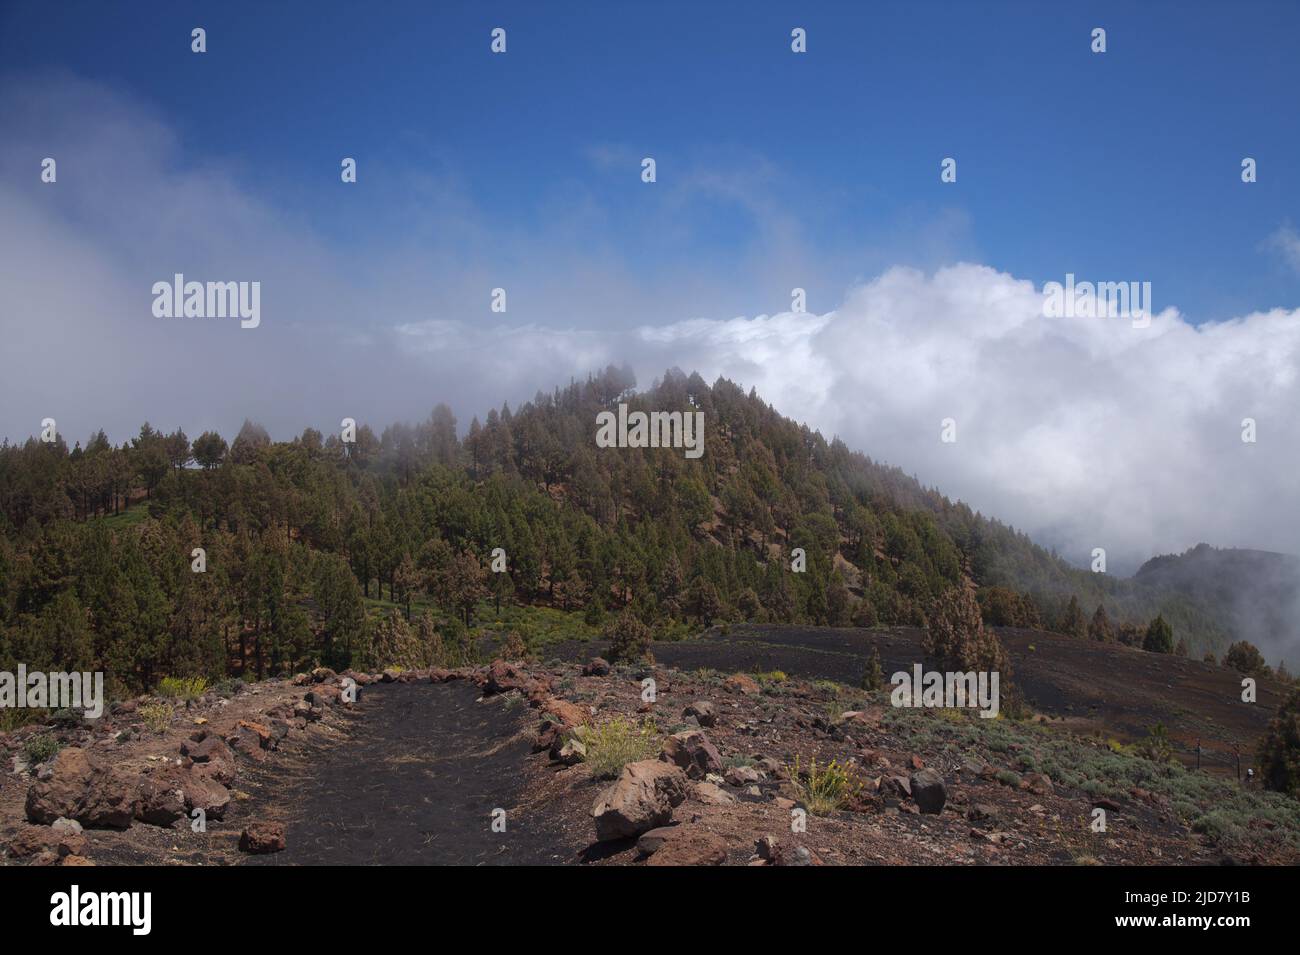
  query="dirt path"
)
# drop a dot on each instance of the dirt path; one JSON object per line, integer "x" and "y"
{"x": 414, "y": 783}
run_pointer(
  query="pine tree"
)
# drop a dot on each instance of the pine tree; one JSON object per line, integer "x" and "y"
{"x": 1244, "y": 657}
{"x": 1159, "y": 637}
{"x": 629, "y": 639}
{"x": 1072, "y": 622}
{"x": 1100, "y": 629}
{"x": 1279, "y": 751}
{"x": 874, "y": 676}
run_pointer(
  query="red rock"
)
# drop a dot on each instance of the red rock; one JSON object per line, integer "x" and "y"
{"x": 83, "y": 787}
{"x": 598, "y": 666}
{"x": 262, "y": 837}
{"x": 692, "y": 751}
{"x": 643, "y": 798}
{"x": 174, "y": 792}
{"x": 705, "y": 713}
{"x": 211, "y": 757}
{"x": 690, "y": 845}
{"x": 569, "y": 714}
{"x": 33, "y": 840}
{"x": 502, "y": 677}
{"x": 740, "y": 683}
{"x": 324, "y": 695}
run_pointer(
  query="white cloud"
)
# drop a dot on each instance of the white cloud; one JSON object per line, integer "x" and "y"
{"x": 1286, "y": 243}
{"x": 1084, "y": 432}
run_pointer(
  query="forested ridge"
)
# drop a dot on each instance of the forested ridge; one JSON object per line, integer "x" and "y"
{"x": 379, "y": 550}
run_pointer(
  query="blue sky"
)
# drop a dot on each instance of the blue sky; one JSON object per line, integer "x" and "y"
{"x": 775, "y": 171}
{"x": 1120, "y": 165}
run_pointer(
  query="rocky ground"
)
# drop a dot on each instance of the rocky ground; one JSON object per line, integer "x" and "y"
{"x": 502, "y": 764}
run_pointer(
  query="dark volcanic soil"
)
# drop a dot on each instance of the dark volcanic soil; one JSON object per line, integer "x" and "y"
{"x": 414, "y": 783}
{"x": 1089, "y": 687}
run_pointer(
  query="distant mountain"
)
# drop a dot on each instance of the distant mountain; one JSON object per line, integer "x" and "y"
{"x": 1255, "y": 592}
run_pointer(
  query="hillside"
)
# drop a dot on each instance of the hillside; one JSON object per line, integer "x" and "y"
{"x": 1256, "y": 593}
{"x": 380, "y": 549}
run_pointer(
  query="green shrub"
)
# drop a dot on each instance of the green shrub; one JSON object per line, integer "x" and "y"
{"x": 629, "y": 639}
{"x": 40, "y": 748}
{"x": 182, "y": 687}
{"x": 228, "y": 687}
{"x": 612, "y": 745}
{"x": 1279, "y": 750}
{"x": 1155, "y": 746}
{"x": 823, "y": 789}
{"x": 156, "y": 716}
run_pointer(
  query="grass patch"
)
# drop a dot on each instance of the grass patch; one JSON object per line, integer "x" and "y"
{"x": 612, "y": 745}
{"x": 823, "y": 789}
{"x": 182, "y": 687}
{"x": 1225, "y": 812}
{"x": 156, "y": 716}
{"x": 40, "y": 748}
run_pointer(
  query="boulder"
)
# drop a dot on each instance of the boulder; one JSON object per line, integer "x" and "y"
{"x": 325, "y": 694}
{"x": 654, "y": 840}
{"x": 252, "y": 739}
{"x": 598, "y": 666}
{"x": 174, "y": 792}
{"x": 571, "y": 753}
{"x": 66, "y": 825}
{"x": 742, "y": 775}
{"x": 690, "y": 845}
{"x": 739, "y": 683}
{"x": 568, "y": 714}
{"x": 211, "y": 756}
{"x": 692, "y": 751}
{"x": 713, "y": 795}
{"x": 796, "y": 856}
{"x": 160, "y": 803}
{"x": 1040, "y": 784}
{"x": 642, "y": 799}
{"x": 705, "y": 713}
{"x": 502, "y": 677}
{"x": 262, "y": 837}
{"x": 900, "y": 786}
{"x": 32, "y": 841}
{"x": 82, "y": 787}
{"x": 928, "y": 791}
